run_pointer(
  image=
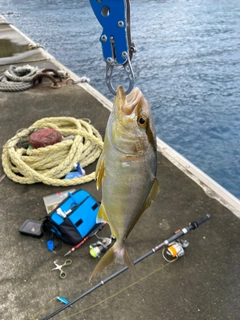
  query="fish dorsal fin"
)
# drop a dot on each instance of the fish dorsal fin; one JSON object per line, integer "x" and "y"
{"x": 102, "y": 217}
{"x": 151, "y": 197}
{"x": 100, "y": 170}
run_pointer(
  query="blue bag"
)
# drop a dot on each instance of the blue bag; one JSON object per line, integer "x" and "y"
{"x": 74, "y": 217}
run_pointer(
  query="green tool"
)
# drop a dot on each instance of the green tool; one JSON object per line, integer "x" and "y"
{"x": 59, "y": 267}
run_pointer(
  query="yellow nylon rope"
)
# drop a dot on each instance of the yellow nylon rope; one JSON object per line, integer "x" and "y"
{"x": 50, "y": 164}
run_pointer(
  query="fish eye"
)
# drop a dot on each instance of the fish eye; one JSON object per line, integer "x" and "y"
{"x": 142, "y": 121}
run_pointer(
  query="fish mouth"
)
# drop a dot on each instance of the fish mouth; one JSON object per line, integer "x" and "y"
{"x": 130, "y": 101}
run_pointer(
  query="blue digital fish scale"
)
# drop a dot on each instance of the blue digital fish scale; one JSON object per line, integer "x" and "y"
{"x": 112, "y": 16}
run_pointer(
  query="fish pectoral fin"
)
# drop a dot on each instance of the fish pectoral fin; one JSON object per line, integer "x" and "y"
{"x": 151, "y": 197}
{"x": 100, "y": 170}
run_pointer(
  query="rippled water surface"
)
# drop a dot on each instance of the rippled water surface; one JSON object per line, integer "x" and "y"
{"x": 187, "y": 64}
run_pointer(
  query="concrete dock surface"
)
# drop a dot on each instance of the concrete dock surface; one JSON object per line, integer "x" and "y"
{"x": 203, "y": 284}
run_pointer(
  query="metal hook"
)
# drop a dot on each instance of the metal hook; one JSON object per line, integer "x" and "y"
{"x": 38, "y": 77}
{"x": 55, "y": 72}
{"x": 129, "y": 71}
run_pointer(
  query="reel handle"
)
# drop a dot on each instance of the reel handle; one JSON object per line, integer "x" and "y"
{"x": 197, "y": 223}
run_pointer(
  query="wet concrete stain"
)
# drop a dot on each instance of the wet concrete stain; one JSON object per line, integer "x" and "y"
{"x": 9, "y": 48}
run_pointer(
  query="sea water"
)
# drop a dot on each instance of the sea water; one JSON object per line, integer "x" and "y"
{"x": 187, "y": 64}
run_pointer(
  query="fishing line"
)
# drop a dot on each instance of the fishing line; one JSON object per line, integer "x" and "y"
{"x": 192, "y": 226}
{"x": 117, "y": 293}
{"x": 108, "y": 298}
{"x": 33, "y": 317}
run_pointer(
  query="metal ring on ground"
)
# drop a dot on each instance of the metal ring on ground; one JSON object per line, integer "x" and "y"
{"x": 69, "y": 79}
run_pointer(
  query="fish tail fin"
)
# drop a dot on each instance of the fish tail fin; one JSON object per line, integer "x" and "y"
{"x": 128, "y": 261}
{"x": 105, "y": 261}
{"x": 116, "y": 254}
{"x": 122, "y": 256}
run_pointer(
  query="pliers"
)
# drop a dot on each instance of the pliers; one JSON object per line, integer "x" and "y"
{"x": 59, "y": 267}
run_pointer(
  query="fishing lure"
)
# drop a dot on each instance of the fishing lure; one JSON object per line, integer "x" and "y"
{"x": 63, "y": 300}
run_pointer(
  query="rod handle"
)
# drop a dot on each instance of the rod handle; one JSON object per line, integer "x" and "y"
{"x": 197, "y": 223}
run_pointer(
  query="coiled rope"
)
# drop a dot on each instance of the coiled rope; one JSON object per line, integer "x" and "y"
{"x": 18, "y": 78}
{"x": 50, "y": 164}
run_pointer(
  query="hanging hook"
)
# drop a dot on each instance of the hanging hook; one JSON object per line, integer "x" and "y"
{"x": 128, "y": 69}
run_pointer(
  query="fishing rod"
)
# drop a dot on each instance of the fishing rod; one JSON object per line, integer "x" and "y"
{"x": 193, "y": 225}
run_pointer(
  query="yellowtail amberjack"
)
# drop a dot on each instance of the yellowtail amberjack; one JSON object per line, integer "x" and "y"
{"x": 127, "y": 171}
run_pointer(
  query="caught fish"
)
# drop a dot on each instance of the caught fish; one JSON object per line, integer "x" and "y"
{"x": 127, "y": 171}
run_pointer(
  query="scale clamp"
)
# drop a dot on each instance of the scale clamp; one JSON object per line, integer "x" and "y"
{"x": 117, "y": 47}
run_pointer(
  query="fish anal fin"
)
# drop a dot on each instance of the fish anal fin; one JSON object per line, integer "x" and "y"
{"x": 151, "y": 197}
{"x": 102, "y": 217}
{"x": 100, "y": 170}
{"x": 113, "y": 233}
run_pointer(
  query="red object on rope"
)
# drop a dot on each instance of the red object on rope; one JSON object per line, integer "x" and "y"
{"x": 44, "y": 137}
